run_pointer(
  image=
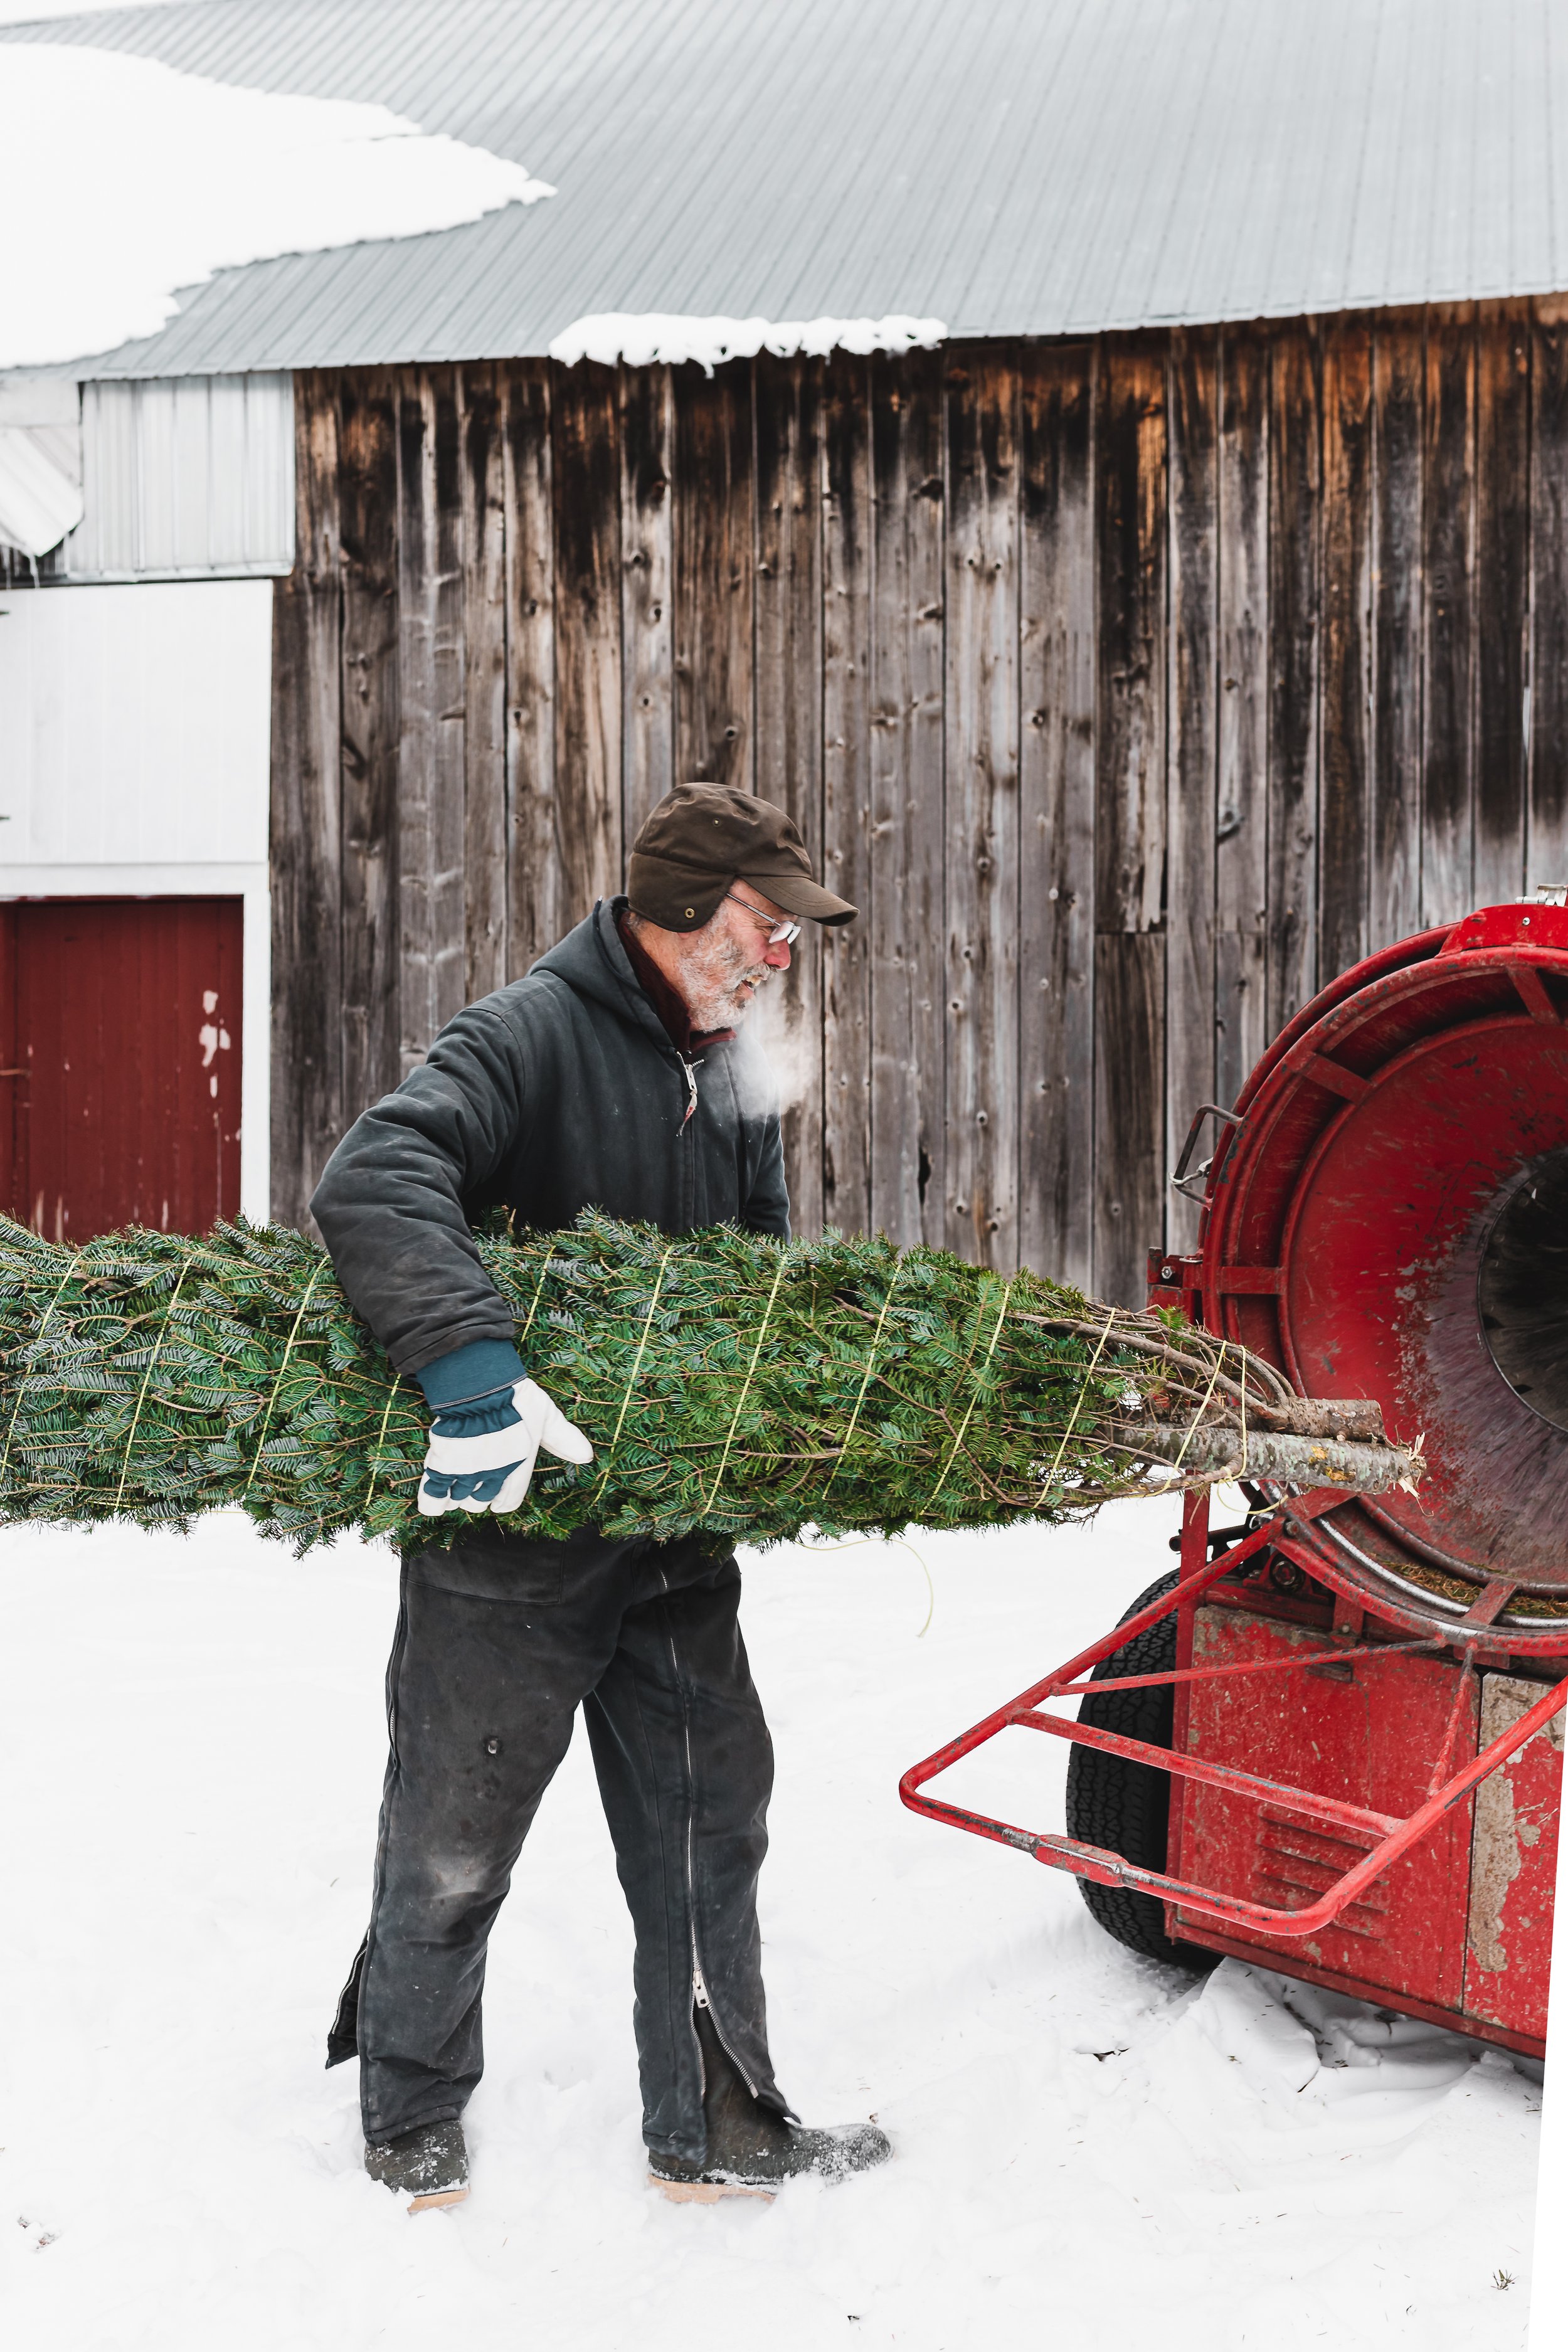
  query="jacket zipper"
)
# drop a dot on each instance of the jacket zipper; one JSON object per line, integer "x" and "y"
{"x": 687, "y": 1163}
{"x": 698, "y": 1981}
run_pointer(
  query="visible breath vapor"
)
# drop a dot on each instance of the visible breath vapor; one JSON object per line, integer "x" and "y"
{"x": 776, "y": 1059}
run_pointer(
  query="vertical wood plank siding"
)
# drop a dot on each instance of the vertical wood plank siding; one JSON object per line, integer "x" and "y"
{"x": 980, "y": 757}
{"x": 535, "y": 900}
{"x": 787, "y": 414}
{"x": 1189, "y": 1029}
{"x": 1131, "y": 796}
{"x": 1132, "y": 688}
{"x": 1056, "y": 813}
{"x": 479, "y": 608}
{"x": 909, "y": 1033}
{"x": 305, "y": 822}
{"x": 367, "y": 531}
{"x": 1241, "y": 799}
{"x": 1344, "y": 911}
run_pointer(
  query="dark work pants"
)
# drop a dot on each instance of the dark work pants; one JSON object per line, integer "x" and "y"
{"x": 499, "y": 1640}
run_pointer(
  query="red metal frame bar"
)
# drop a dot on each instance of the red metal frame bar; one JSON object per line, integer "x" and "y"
{"x": 1389, "y": 1835}
{"x": 1463, "y": 1691}
{"x": 1247, "y": 1666}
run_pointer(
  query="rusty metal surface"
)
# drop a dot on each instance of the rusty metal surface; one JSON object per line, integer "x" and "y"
{"x": 1368, "y": 1737}
{"x": 1513, "y": 1867}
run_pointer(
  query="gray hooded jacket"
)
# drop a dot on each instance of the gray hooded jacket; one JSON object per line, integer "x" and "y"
{"x": 560, "y": 1092}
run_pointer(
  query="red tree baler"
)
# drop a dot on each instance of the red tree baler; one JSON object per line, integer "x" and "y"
{"x": 1331, "y": 1739}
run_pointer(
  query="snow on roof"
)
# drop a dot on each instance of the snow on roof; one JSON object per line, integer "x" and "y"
{"x": 186, "y": 176}
{"x": 642, "y": 340}
{"x": 1042, "y": 167}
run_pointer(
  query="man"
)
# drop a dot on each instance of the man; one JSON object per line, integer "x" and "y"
{"x": 610, "y": 1078}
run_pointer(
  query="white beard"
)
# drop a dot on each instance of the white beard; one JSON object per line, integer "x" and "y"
{"x": 710, "y": 980}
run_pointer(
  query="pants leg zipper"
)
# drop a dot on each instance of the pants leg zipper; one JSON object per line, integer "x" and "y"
{"x": 699, "y": 1993}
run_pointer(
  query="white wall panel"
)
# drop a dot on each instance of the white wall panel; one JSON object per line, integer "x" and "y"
{"x": 134, "y": 737}
{"x": 134, "y": 723}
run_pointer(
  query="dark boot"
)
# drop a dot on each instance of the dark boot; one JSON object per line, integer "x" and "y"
{"x": 429, "y": 2165}
{"x": 752, "y": 2149}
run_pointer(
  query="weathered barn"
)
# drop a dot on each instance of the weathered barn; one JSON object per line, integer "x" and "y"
{"x": 1191, "y": 619}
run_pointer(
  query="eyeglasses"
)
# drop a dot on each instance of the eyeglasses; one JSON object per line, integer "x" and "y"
{"x": 780, "y": 935}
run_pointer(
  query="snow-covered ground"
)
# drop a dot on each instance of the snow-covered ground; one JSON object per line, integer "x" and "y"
{"x": 191, "y": 1744}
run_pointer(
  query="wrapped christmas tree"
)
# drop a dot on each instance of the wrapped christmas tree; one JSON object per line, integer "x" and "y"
{"x": 728, "y": 1384}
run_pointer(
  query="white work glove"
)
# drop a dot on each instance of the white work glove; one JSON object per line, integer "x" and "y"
{"x": 487, "y": 1467}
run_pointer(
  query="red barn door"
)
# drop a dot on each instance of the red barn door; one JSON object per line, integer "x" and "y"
{"x": 120, "y": 1026}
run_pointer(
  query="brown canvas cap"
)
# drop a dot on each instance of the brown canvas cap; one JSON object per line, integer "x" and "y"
{"x": 703, "y": 837}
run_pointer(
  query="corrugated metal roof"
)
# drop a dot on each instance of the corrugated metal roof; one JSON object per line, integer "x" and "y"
{"x": 1042, "y": 167}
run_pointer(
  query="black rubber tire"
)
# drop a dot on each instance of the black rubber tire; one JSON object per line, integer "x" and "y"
{"x": 1126, "y": 1807}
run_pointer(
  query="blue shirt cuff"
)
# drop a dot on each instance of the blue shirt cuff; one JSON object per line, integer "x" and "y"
{"x": 472, "y": 1372}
